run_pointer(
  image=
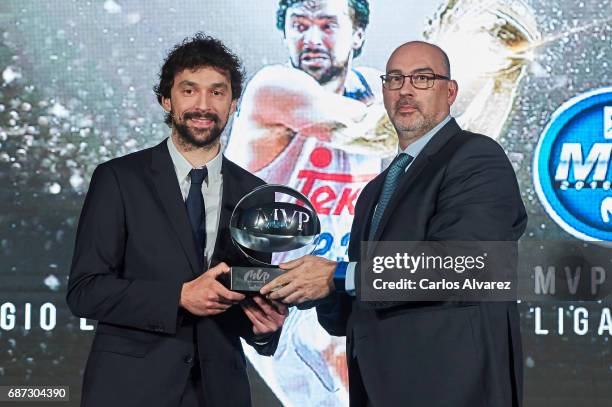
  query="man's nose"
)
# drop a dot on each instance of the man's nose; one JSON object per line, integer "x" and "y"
{"x": 313, "y": 35}
{"x": 203, "y": 101}
{"x": 407, "y": 87}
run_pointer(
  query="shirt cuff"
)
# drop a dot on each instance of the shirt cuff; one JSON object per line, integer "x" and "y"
{"x": 344, "y": 277}
{"x": 349, "y": 283}
{"x": 263, "y": 339}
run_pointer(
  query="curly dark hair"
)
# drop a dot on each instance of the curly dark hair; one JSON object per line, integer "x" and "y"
{"x": 361, "y": 15}
{"x": 197, "y": 52}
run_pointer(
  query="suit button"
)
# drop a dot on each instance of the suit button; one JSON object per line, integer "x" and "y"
{"x": 188, "y": 359}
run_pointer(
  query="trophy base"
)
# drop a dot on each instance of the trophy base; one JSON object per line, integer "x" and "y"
{"x": 251, "y": 278}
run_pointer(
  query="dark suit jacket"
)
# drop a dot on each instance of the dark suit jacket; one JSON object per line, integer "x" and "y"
{"x": 460, "y": 187}
{"x": 134, "y": 250}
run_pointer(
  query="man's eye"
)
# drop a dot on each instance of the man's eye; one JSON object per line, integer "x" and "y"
{"x": 422, "y": 78}
{"x": 329, "y": 27}
{"x": 217, "y": 93}
{"x": 188, "y": 91}
{"x": 300, "y": 27}
{"x": 394, "y": 78}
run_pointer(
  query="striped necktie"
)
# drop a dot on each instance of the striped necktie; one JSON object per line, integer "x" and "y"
{"x": 397, "y": 168}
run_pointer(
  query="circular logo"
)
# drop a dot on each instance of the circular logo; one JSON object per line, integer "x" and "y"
{"x": 571, "y": 166}
{"x": 320, "y": 157}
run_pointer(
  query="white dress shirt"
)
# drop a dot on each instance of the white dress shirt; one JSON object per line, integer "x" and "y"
{"x": 212, "y": 189}
{"x": 413, "y": 150}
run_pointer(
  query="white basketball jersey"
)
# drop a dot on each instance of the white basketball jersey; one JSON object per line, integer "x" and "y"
{"x": 309, "y": 366}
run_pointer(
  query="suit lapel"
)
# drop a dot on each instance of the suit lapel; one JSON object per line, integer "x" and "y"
{"x": 169, "y": 193}
{"x": 433, "y": 146}
{"x": 370, "y": 200}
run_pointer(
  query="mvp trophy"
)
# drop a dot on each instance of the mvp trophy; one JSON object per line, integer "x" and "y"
{"x": 274, "y": 220}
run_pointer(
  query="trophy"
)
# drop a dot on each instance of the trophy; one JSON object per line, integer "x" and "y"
{"x": 273, "y": 221}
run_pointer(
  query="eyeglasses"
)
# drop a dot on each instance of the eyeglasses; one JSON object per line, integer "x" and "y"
{"x": 395, "y": 81}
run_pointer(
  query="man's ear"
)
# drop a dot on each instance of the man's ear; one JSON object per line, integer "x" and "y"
{"x": 166, "y": 104}
{"x": 358, "y": 38}
{"x": 233, "y": 106}
{"x": 453, "y": 89}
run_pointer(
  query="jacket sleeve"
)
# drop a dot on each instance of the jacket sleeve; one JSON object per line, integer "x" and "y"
{"x": 96, "y": 288}
{"x": 333, "y": 313}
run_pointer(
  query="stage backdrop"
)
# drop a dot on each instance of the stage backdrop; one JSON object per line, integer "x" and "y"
{"x": 76, "y": 90}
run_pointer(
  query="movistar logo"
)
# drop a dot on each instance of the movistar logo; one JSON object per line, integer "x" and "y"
{"x": 590, "y": 171}
{"x": 571, "y": 166}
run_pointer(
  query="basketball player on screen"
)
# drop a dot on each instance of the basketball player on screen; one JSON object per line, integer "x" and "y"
{"x": 318, "y": 125}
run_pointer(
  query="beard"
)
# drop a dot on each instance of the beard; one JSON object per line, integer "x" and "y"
{"x": 420, "y": 123}
{"x": 193, "y": 138}
{"x": 322, "y": 75}
{"x": 331, "y": 73}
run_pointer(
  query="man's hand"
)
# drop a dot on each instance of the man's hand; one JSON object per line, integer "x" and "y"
{"x": 309, "y": 278}
{"x": 205, "y": 296}
{"x": 267, "y": 316}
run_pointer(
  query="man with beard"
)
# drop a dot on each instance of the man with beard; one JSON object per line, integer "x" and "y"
{"x": 152, "y": 241}
{"x": 445, "y": 185}
{"x": 318, "y": 125}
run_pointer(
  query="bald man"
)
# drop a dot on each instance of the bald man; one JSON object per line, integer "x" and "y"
{"x": 453, "y": 186}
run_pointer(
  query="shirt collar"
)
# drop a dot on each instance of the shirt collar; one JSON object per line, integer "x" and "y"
{"x": 182, "y": 166}
{"x": 415, "y": 148}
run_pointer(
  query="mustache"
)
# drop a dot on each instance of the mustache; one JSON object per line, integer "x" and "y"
{"x": 409, "y": 102}
{"x": 318, "y": 50}
{"x": 201, "y": 115}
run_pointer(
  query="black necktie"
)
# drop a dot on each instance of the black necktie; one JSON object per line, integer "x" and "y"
{"x": 196, "y": 211}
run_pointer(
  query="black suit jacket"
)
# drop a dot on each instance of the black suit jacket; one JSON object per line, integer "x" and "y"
{"x": 460, "y": 187}
{"x": 134, "y": 250}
